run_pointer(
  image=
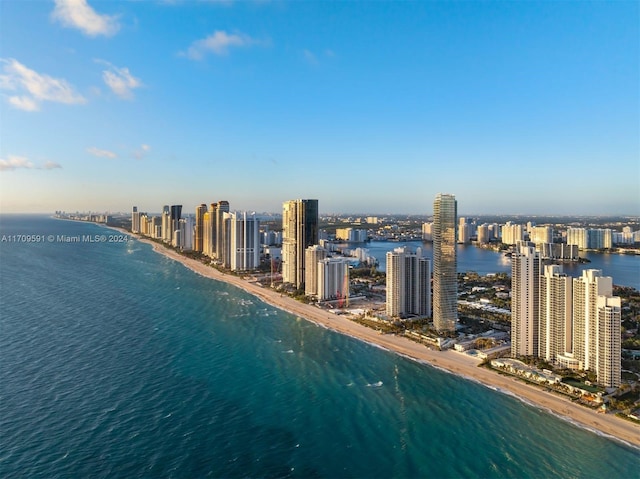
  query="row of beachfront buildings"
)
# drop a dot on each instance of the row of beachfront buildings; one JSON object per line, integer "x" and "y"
{"x": 573, "y": 323}
{"x": 570, "y": 322}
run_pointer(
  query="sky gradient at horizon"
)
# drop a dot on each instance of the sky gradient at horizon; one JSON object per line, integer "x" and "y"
{"x": 370, "y": 107}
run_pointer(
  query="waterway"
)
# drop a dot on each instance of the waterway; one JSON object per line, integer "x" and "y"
{"x": 624, "y": 269}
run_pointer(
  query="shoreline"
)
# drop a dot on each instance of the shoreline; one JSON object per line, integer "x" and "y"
{"x": 606, "y": 425}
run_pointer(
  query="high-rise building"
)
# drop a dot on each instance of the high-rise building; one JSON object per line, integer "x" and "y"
{"x": 464, "y": 231}
{"x": 167, "y": 233}
{"x": 579, "y": 237}
{"x": 445, "y": 281}
{"x": 244, "y": 241}
{"x": 483, "y": 233}
{"x": 219, "y": 230}
{"x": 408, "y": 284}
{"x": 541, "y": 234}
{"x": 609, "y": 360}
{"x": 198, "y": 237}
{"x": 555, "y": 333}
{"x": 512, "y": 233}
{"x": 525, "y": 281}
{"x": 427, "y": 231}
{"x": 207, "y": 231}
{"x": 299, "y": 231}
{"x": 185, "y": 229}
{"x": 312, "y": 256}
{"x": 135, "y": 220}
{"x": 333, "y": 279}
{"x": 586, "y": 290}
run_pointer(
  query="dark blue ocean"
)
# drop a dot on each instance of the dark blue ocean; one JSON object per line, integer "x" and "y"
{"x": 116, "y": 362}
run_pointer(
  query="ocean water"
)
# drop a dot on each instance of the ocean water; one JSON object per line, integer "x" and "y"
{"x": 117, "y": 362}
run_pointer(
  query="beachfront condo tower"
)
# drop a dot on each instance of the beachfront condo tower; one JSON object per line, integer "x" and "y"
{"x": 299, "y": 231}
{"x": 554, "y": 326}
{"x": 312, "y": 256}
{"x": 408, "y": 284}
{"x": 135, "y": 220}
{"x": 445, "y": 280}
{"x": 596, "y": 326}
{"x": 525, "y": 286}
{"x": 244, "y": 247}
{"x": 198, "y": 237}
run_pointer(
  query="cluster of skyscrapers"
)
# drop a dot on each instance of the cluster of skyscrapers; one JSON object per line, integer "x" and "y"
{"x": 570, "y": 322}
{"x": 409, "y": 274}
{"x": 230, "y": 238}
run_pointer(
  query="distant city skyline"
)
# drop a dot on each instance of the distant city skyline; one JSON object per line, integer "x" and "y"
{"x": 517, "y": 108}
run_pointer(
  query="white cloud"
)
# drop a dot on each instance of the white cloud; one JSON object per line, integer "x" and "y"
{"x": 51, "y": 165}
{"x": 101, "y": 153}
{"x": 142, "y": 151}
{"x": 78, "y": 14}
{"x": 219, "y": 43}
{"x": 14, "y": 162}
{"x": 120, "y": 80}
{"x": 34, "y": 88}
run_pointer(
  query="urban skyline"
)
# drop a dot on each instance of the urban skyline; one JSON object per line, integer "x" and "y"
{"x": 374, "y": 107}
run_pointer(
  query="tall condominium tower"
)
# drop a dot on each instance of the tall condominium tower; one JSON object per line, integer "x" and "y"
{"x": 219, "y": 231}
{"x": 167, "y": 233}
{"x": 525, "y": 281}
{"x": 445, "y": 281}
{"x": 299, "y": 231}
{"x": 554, "y": 327}
{"x": 408, "y": 284}
{"x": 207, "y": 231}
{"x": 244, "y": 241}
{"x": 135, "y": 220}
{"x": 586, "y": 291}
{"x": 176, "y": 215}
{"x": 333, "y": 279}
{"x": 198, "y": 237}
{"x": 313, "y": 254}
{"x": 512, "y": 233}
{"x": 609, "y": 360}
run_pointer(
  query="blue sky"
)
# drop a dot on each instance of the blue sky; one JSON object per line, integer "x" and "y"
{"x": 370, "y": 107}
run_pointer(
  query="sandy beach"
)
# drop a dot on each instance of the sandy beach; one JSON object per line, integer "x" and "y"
{"x": 453, "y": 362}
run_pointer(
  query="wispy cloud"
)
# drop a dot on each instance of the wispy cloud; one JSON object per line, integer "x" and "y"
{"x": 32, "y": 88}
{"x": 14, "y": 162}
{"x": 120, "y": 80}
{"x": 219, "y": 43}
{"x": 78, "y": 14}
{"x": 315, "y": 59}
{"x": 141, "y": 152}
{"x": 310, "y": 57}
{"x": 101, "y": 153}
{"x": 51, "y": 165}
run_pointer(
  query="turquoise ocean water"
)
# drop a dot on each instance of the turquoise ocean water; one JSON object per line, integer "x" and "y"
{"x": 117, "y": 362}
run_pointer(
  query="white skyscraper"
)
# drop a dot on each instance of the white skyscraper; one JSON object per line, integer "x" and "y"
{"x": 512, "y": 233}
{"x": 609, "y": 360}
{"x": 313, "y": 255}
{"x": 408, "y": 284}
{"x": 244, "y": 244}
{"x": 333, "y": 279}
{"x": 555, "y": 332}
{"x": 586, "y": 290}
{"x": 525, "y": 280}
